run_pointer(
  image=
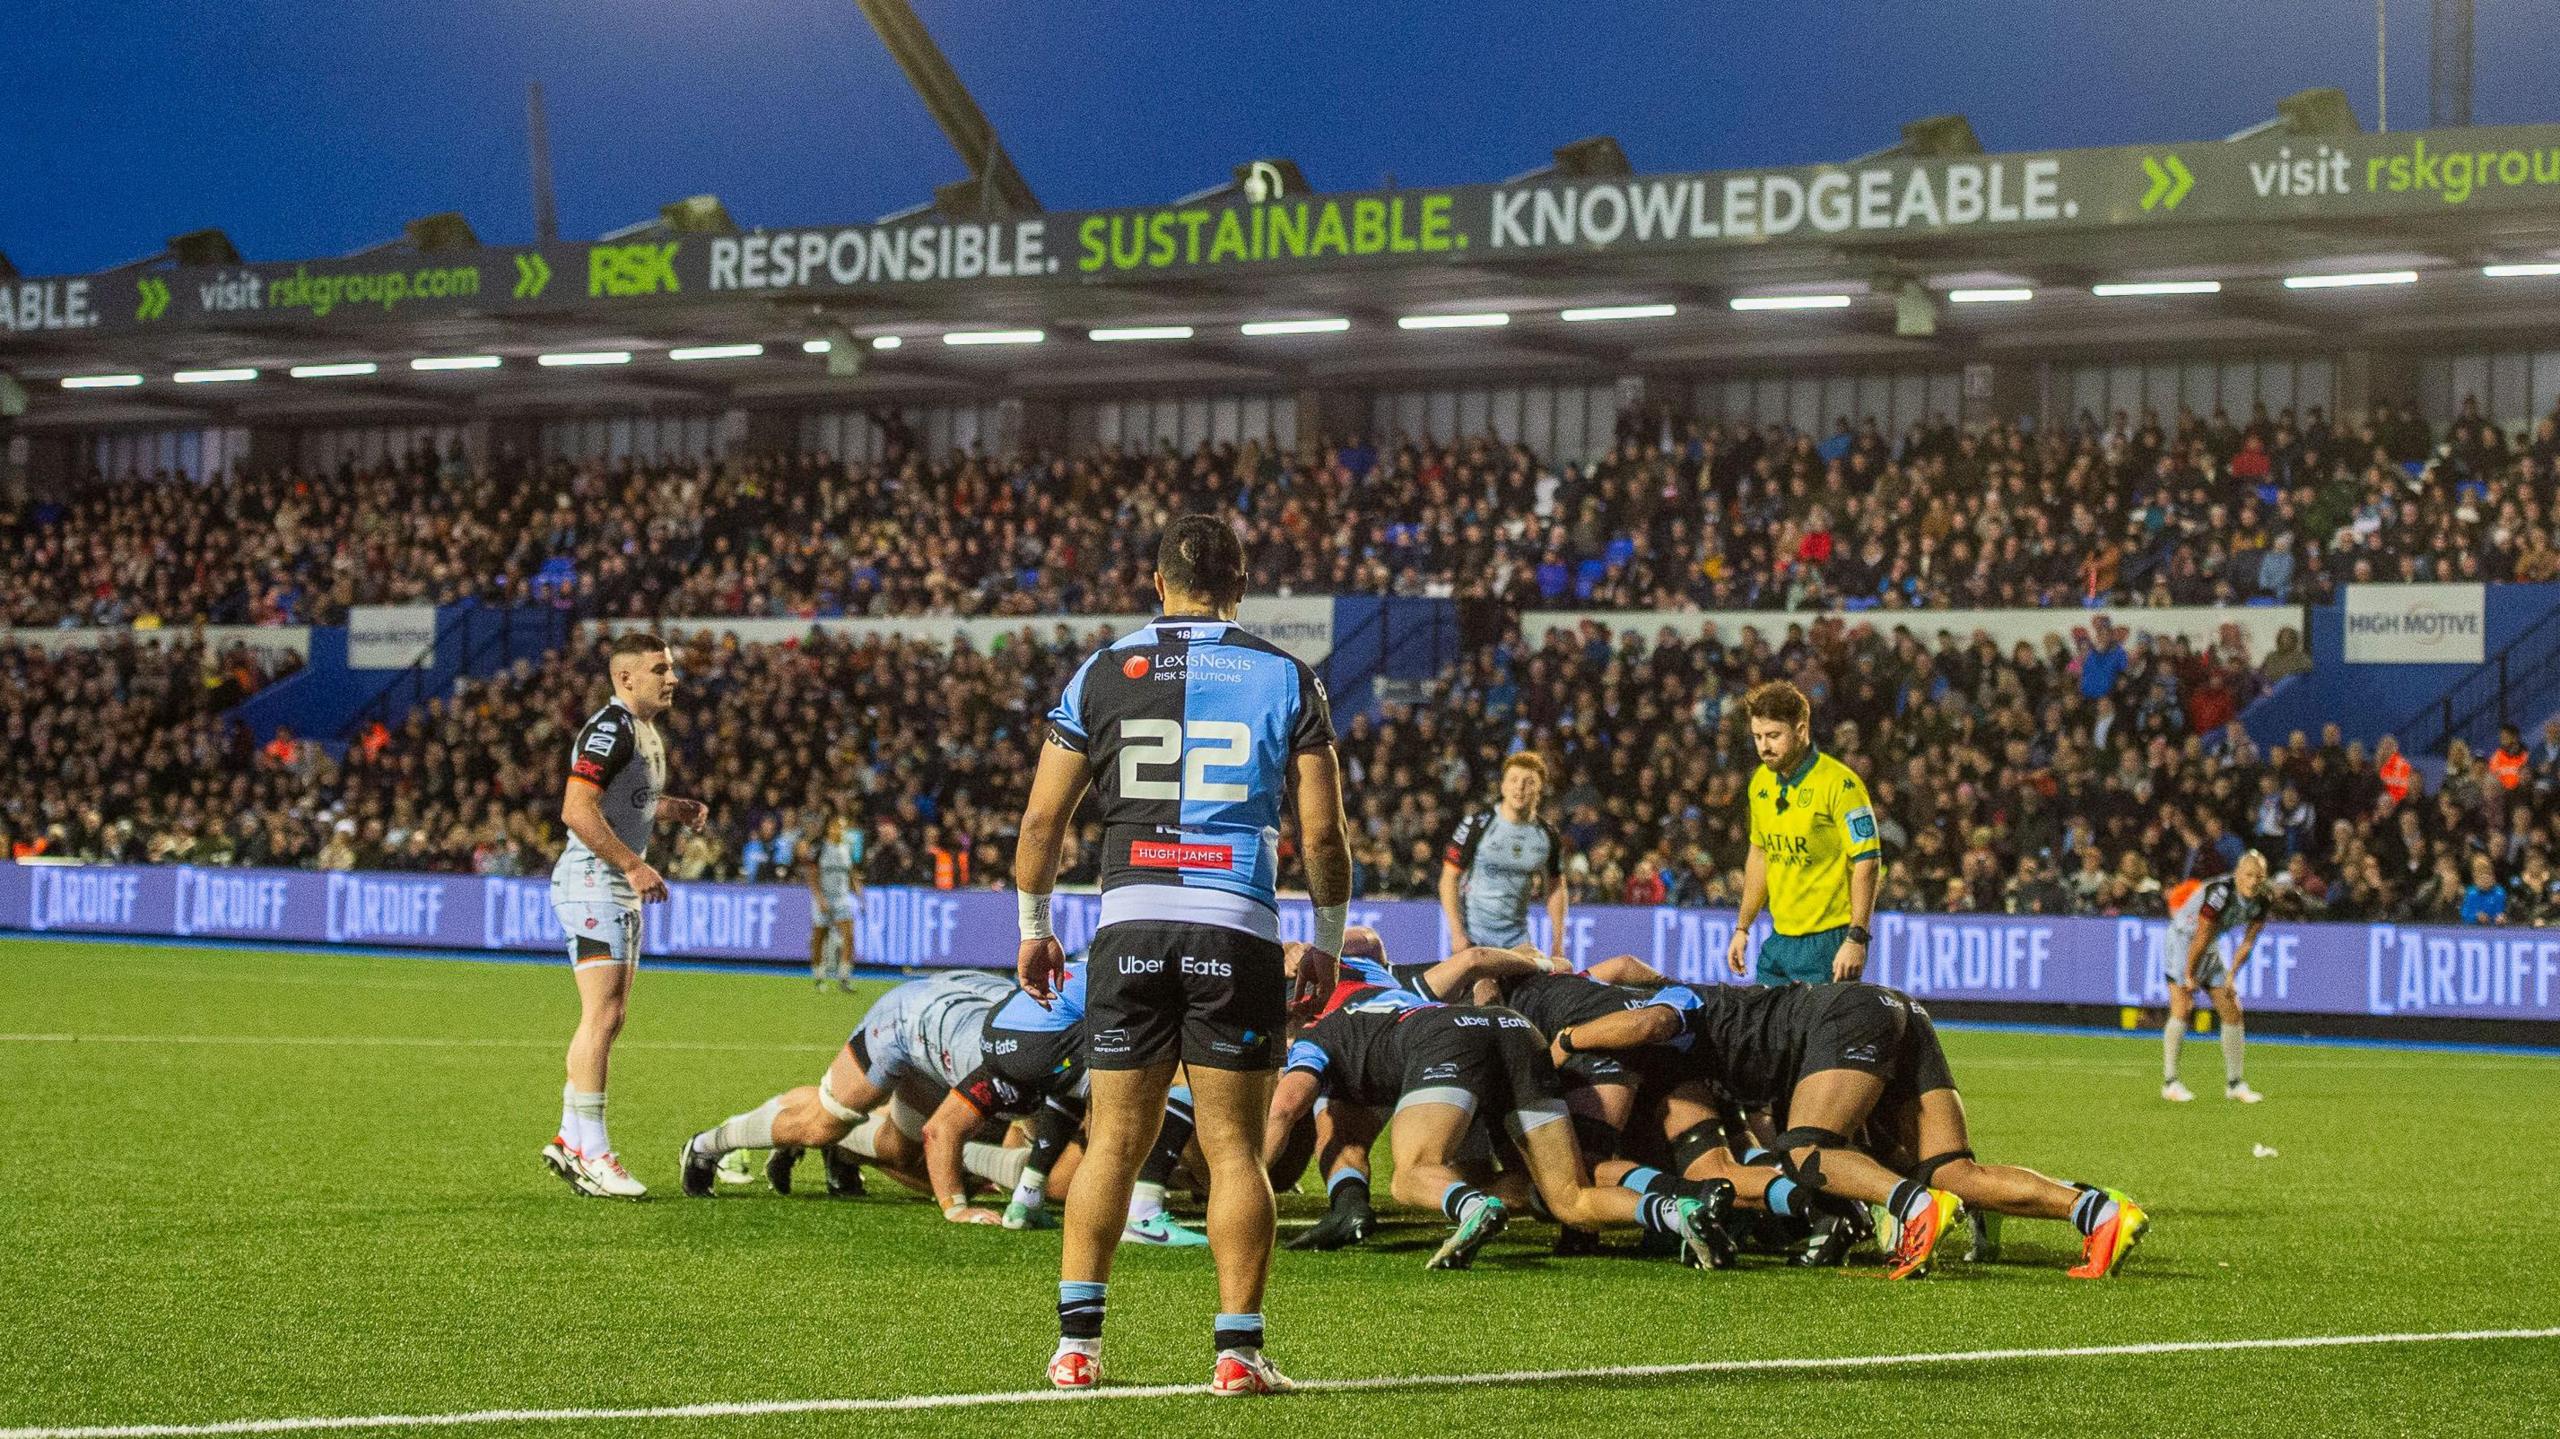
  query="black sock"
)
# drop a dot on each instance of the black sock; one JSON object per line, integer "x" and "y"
{"x": 1238, "y": 1331}
{"x": 1080, "y": 1309}
{"x": 1659, "y": 1214}
{"x": 2086, "y": 1212}
{"x": 1350, "y": 1193}
{"x": 1905, "y": 1197}
{"x": 1174, "y": 1138}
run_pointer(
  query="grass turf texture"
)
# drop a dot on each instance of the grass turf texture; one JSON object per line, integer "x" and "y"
{"x": 269, "y": 1221}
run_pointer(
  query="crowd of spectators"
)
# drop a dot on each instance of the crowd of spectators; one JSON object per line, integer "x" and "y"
{"x": 2123, "y": 510}
{"x": 2090, "y": 774}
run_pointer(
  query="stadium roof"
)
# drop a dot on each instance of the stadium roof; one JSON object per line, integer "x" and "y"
{"x": 1888, "y": 241}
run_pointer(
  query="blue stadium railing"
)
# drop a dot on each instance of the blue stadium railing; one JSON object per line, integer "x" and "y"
{"x": 2518, "y": 685}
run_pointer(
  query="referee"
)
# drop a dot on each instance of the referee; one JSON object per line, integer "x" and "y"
{"x": 1192, "y": 734}
{"x": 1815, "y": 862}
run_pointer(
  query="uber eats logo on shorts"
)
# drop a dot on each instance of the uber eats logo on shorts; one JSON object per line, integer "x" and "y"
{"x": 624, "y": 270}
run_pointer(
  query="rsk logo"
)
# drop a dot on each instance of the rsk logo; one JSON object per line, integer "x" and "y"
{"x": 632, "y": 269}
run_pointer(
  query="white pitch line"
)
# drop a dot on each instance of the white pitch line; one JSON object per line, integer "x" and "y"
{"x": 756, "y": 1408}
{"x": 384, "y": 1041}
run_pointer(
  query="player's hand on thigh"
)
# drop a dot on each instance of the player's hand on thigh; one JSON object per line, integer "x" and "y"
{"x": 644, "y": 877}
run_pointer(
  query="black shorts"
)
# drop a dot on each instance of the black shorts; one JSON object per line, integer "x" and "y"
{"x": 1488, "y": 1061}
{"x": 1855, "y": 1026}
{"x": 1024, "y": 1067}
{"x": 1923, "y": 1065}
{"x": 1200, "y": 993}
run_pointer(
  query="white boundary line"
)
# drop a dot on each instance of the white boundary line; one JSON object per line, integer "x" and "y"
{"x": 755, "y": 1408}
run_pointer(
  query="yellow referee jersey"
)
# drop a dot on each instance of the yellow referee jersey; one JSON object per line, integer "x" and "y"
{"x": 1812, "y": 825}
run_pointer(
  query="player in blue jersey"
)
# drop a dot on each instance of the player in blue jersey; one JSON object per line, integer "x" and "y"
{"x": 1338, "y": 1136}
{"x": 1193, "y": 734}
{"x": 1870, "y": 1108}
{"x": 1032, "y": 1069}
{"x": 914, "y": 1044}
{"x": 1438, "y": 1067}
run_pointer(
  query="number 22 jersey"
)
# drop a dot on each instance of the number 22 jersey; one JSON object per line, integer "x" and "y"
{"x": 1190, "y": 724}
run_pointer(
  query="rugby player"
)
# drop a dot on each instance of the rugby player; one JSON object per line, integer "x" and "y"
{"x": 921, "y": 1038}
{"x": 1338, "y": 1137}
{"x": 1192, "y": 732}
{"x": 615, "y": 793}
{"x": 835, "y": 901}
{"x": 1436, "y": 1066}
{"x": 1815, "y": 861}
{"x": 1499, "y": 859}
{"x": 2198, "y": 920}
{"x": 1838, "y": 1059}
{"x": 1034, "y": 1070}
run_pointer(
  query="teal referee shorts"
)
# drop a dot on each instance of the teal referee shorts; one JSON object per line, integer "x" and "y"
{"x": 1800, "y": 958}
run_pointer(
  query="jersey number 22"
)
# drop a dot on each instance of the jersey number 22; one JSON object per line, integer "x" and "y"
{"x": 1158, "y": 744}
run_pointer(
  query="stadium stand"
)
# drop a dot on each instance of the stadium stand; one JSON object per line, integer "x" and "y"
{"x": 2088, "y": 778}
{"x": 2122, "y": 509}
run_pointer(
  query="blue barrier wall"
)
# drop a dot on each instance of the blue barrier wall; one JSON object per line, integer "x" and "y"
{"x": 328, "y": 698}
{"x": 2369, "y": 701}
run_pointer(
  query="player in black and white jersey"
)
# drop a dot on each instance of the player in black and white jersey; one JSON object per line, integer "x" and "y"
{"x": 2198, "y": 920}
{"x": 1193, "y": 733}
{"x": 1501, "y": 859}
{"x": 615, "y": 794}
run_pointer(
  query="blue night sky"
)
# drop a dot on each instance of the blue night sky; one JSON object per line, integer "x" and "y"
{"x": 309, "y": 129}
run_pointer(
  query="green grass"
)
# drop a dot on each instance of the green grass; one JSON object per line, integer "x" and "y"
{"x": 265, "y": 1222}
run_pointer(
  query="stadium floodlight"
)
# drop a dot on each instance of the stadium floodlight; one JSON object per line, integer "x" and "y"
{"x": 1620, "y": 312}
{"x": 2012, "y": 296}
{"x": 568, "y": 359}
{"x": 716, "y": 352}
{"x": 1789, "y": 302}
{"x": 1332, "y": 326}
{"x": 1491, "y": 319}
{"x": 2350, "y": 282}
{"x": 2515, "y": 272}
{"x": 816, "y": 347}
{"x": 228, "y": 376}
{"x": 100, "y": 382}
{"x": 987, "y": 337}
{"x": 456, "y": 362}
{"x": 1141, "y": 332}
{"x": 332, "y": 372}
{"x": 2157, "y": 287}
{"x": 889, "y": 342}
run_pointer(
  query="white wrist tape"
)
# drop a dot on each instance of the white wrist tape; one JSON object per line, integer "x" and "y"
{"x": 1331, "y": 920}
{"x": 1032, "y": 910}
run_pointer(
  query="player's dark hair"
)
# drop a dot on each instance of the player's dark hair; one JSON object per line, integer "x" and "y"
{"x": 1779, "y": 701}
{"x": 1200, "y": 556}
{"x": 635, "y": 642}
